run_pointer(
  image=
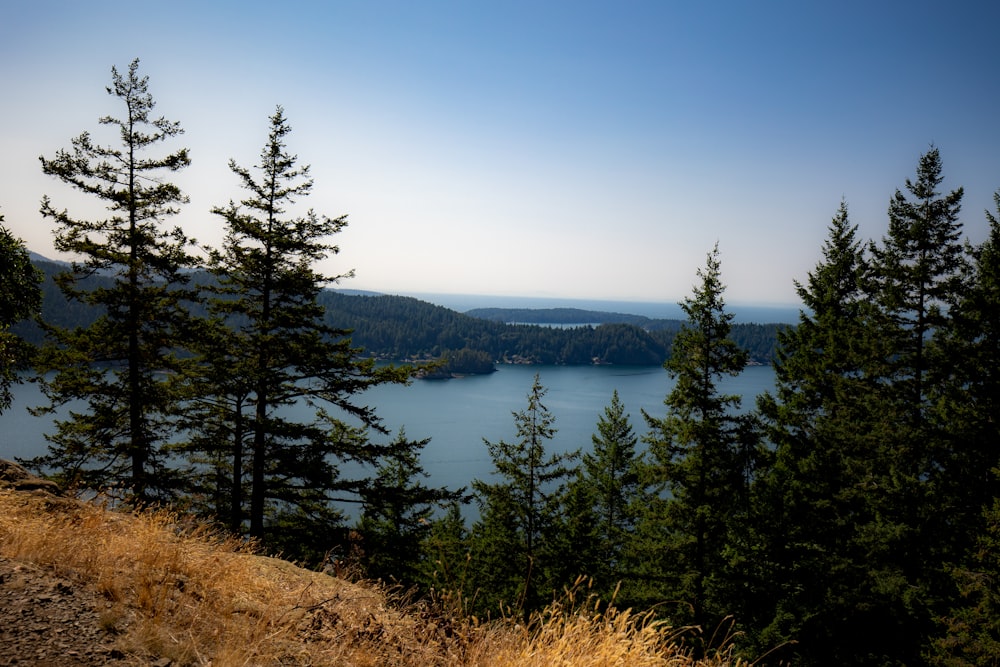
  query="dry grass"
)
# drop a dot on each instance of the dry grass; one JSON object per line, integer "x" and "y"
{"x": 176, "y": 590}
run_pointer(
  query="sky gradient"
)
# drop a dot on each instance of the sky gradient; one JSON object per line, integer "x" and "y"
{"x": 545, "y": 149}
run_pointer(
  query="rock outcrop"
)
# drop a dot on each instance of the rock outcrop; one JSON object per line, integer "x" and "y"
{"x": 14, "y": 476}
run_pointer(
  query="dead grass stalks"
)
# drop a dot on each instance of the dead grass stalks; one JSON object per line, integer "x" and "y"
{"x": 184, "y": 592}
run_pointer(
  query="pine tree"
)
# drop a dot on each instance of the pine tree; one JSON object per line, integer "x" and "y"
{"x": 696, "y": 455}
{"x": 121, "y": 366}
{"x": 280, "y": 346}
{"x": 397, "y": 512}
{"x": 825, "y": 424}
{"x": 968, "y": 401}
{"x": 520, "y": 513}
{"x": 20, "y": 298}
{"x": 610, "y": 478}
{"x": 445, "y": 557}
{"x": 970, "y": 406}
{"x": 919, "y": 273}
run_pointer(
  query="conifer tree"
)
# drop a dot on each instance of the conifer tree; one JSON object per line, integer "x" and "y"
{"x": 20, "y": 298}
{"x": 968, "y": 403}
{"x": 397, "y": 512}
{"x": 267, "y": 291}
{"x": 445, "y": 557}
{"x": 825, "y": 424}
{"x": 970, "y": 406}
{"x": 610, "y": 476}
{"x": 696, "y": 458}
{"x": 919, "y": 272}
{"x": 521, "y": 512}
{"x": 121, "y": 365}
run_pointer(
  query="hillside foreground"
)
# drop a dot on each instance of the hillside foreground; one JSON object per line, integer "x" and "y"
{"x": 82, "y": 584}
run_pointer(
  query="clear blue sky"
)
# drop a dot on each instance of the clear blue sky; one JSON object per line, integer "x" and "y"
{"x": 558, "y": 149}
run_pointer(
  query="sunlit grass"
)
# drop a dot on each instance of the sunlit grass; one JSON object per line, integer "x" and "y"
{"x": 172, "y": 588}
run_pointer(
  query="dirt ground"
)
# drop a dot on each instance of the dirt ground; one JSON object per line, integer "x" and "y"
{"x": 47, "y": 620}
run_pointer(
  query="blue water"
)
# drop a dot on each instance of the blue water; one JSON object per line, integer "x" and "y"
{"x": 458, "y": 414}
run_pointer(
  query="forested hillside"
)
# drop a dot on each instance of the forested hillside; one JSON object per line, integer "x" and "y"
{"x": 400, "y": 328}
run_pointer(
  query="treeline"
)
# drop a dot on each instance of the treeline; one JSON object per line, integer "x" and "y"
{"x": 404, "y": 328}
{"x": 850, "y": 517}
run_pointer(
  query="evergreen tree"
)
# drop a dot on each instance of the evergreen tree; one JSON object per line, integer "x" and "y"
{"x": 520, "y": 513}
{"x": 697, "y": 460}
{"x": 825, "y": 424}
{"x": 919, "y": 273}
{"x": 20, "y": 298}
{"x": 574, "y": 545}
{"x": 122, "y": 364}
{"x": 267, "y": 292}
{"x": 969, "y": 401}
{"x": 397, "y": 512}
{"x": 445, "y": 557}
{"x": 970, "y": 406}
{"x": 610, "y": 477}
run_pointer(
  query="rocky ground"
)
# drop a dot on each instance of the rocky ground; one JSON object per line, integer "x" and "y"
{"x": 47, "y": 619}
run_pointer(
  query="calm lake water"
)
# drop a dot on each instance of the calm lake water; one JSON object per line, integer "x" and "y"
{"x": 457, "y": 414}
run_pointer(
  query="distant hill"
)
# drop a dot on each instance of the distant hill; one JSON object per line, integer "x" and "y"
{"x": 406, "y": 328}
{"x": 556, "y": 316}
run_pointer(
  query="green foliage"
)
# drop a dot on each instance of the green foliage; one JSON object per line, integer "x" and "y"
{"x": 276, "y": 352}
{"x": 970, "y": 407}
{"x": 515, "y": 538}
{"x": 919, "y": 272}
{"x": 697, "y": 461}
{"x": 825, "y": 422}
{"x": 608, "y": 484}
{"x": 971, "y": 629}
{"x": 20, "y": 298}
{"x": 120, "y": 364}
{"x": 397, "y": 510}
{"x": 444, "y": 555}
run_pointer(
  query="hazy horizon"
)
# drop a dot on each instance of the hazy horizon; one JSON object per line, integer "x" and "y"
{"x": 561, "y": 149}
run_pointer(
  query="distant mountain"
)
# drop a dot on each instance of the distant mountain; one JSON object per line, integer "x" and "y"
{"x": 35, "y": 257}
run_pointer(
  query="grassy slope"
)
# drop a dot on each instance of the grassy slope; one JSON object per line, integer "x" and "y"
{"x": 178, "y": 590}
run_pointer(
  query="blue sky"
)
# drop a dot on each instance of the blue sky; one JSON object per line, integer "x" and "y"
{"x": 549, "y": 149}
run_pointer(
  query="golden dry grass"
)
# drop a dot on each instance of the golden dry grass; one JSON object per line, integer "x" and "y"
{"x": 174, "y": 589}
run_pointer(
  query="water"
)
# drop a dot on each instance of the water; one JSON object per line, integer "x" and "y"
{"x": 458, "y": 414}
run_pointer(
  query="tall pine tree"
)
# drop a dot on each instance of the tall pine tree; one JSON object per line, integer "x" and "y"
{"x": 515, "y": 537}
{"x": 287, "y": 357}
{"x": 970, "y": 405}
{"x": 610, "y": 475}
{"x": 919, "y": 272}
{"x": 825, "y": 425}
{"x": 122, "y": 365}
{"x": 697, "y": 460}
